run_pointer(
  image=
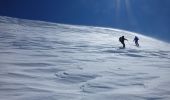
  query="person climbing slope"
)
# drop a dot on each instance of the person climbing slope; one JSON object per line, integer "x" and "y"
{"x": 122, "y": 40}
{"x": 136, "y": 41}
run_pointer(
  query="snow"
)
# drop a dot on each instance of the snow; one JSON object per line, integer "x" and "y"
{"x": 47, "y": 61}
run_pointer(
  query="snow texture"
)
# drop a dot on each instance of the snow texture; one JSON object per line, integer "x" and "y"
{"x": 48, "y": 61}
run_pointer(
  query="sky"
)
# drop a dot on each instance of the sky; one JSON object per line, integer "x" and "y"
{"x": 148, "y": 17}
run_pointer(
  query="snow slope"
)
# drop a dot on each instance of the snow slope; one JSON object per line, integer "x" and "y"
{"x": 48, "y": 61}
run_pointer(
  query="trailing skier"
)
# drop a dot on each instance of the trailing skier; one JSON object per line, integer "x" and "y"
{"x": 136, "y": 41}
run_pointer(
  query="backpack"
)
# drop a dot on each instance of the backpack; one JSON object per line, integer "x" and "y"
{"x": 120, "y": 39}
{"x": 136, "y": 38}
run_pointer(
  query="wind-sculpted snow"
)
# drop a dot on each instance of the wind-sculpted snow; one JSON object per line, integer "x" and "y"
{"x": 48, "y": 61}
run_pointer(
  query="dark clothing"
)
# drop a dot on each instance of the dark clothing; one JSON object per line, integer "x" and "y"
{"x": 136, "y": 41}
{"x": 123, "y": 44}
{"x": 122, "y": 40}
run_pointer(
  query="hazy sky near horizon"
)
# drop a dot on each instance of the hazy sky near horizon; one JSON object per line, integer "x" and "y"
{"x": 149, "y": 17}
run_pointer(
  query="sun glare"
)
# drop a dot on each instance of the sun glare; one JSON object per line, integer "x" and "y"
{"x": 123, "y": 5}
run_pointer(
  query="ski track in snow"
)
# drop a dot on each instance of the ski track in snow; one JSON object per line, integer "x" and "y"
{"x": 47, "y": 61}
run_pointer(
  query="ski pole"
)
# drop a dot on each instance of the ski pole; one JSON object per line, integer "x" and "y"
{"x": 129, "y": 44}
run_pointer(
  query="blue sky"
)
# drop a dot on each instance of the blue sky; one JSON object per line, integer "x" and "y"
{"x": 149, "y": 17}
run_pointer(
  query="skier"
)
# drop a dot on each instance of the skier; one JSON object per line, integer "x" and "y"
{"x": 122, "y": 40}
{"x": 136, "y": 41}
